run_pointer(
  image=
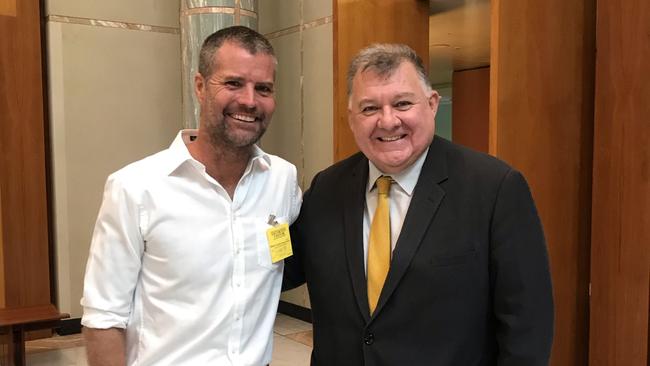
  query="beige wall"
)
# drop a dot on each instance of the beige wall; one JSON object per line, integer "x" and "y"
{"x": 301, "y": 131}
{"x": 115, "y": 97}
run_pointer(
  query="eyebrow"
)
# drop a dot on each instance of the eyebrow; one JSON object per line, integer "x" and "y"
{"x": 232, "y": 77}
{"x": 239, "y": 78}
{"x": 397, "y": 96}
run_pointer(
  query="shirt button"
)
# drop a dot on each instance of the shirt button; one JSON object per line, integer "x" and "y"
{"x": 369, "y": 339}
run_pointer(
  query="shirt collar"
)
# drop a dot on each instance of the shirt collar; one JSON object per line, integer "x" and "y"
{"x": 179, "y": 154}
{"x": 407, "y": 178}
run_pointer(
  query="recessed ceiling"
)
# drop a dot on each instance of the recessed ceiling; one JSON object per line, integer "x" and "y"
{"x": 459, "y": 37}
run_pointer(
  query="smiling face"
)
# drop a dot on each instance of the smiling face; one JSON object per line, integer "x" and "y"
{"x": 237, "y": 100}
{"x": 392, "y": 117}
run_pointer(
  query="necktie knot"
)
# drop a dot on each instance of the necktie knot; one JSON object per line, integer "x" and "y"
{"x": 383, "y": 184}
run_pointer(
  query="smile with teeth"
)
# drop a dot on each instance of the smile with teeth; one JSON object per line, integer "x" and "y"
{"x": 391, "y": 138}
{"x": 242, "y": 117}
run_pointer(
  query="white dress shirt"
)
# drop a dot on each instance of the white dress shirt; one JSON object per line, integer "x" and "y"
{"x": 401, "y": 192}
{"x": 185, "y": 269}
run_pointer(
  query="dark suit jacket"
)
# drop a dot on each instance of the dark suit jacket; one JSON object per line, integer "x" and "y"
{"x": 469, "y": 282}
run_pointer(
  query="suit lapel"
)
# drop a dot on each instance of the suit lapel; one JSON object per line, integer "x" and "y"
{"x": 354, "y": 200}
{"x": 427, "y": 196}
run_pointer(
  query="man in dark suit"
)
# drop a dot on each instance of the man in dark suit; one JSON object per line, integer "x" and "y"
{"x": 443, "y": 263}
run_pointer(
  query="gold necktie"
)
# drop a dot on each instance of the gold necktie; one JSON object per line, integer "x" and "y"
{"x": 379, "y": 243}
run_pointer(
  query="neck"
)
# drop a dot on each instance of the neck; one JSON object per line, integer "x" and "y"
{"x": 226, "y": 165}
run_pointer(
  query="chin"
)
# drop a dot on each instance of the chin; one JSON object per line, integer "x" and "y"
{"x": 391, "y": 167}
{"x": 394, "y": 160}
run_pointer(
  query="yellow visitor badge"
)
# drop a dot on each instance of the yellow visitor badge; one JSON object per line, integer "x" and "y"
{"x": 279, "y": 242}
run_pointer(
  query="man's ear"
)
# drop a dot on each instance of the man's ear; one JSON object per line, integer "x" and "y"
{"x": 349, "y": 116}
{"x": 434, "y": 101}
{"x": 199, "y": 86}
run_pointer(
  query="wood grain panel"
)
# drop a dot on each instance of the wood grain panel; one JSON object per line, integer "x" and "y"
{"x": 541, "y": 121}
{"x": 620, "y": 256}
{"x": 471, "y": 108}
{"x": 22, "y": 161}
{"x": 8, "y": 7}
{"x": 359, "y": 23}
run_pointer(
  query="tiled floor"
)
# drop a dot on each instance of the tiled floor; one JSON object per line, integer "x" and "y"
{"x": 292, "y": 343}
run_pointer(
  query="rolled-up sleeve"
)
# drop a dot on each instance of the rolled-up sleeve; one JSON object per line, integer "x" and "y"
{"x": 114, "y": 261}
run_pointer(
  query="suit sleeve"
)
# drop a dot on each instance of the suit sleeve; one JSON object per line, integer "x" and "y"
{"x": 522, "y": 293}
{"x": 294, "y": 273}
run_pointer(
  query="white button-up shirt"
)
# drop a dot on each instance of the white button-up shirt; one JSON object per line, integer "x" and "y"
{"x": 185, "y": 269}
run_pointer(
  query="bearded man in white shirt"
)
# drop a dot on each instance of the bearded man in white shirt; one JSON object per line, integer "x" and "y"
{"x": 180, "y": 270}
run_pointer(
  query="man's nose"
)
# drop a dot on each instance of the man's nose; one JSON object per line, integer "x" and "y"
{"x": 388, "y": 119}
{"x": 247, "y": 96}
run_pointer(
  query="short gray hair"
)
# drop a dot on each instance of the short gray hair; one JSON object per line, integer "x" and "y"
{"x": 384, "y": 59}
{"x": 245, "y": 37}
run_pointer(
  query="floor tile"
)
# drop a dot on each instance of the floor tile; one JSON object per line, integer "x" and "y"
{"x": 287, "y": 352}
{"x": 285, "y": 324}
{"x": 64, "y": 357}
{"x": 306, "y": 338}
{"x": 53, "y": 343}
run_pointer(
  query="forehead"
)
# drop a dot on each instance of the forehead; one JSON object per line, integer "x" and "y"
{"x": 231, "y": 58}
{"x": 403, "y": 79}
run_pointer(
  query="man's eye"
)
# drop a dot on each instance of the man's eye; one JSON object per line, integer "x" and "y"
{"x": 368, "y": 109}
{"x": 403, "y": 105}
{"x": 233, "y": 83}
{"x": 264, "y": 89}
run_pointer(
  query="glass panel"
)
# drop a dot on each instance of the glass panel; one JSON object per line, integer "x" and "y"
{"x": 249, "y": 22}
{"x": 190, "y": 4}
{"x": 250, "y": 5}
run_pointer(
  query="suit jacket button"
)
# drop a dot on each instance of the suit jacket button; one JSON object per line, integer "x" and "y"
{"x": 369, "y": 339}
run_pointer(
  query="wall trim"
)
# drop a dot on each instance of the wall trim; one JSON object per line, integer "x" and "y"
{"x": 298, "y": 27}
{"x": 112, "y": 24}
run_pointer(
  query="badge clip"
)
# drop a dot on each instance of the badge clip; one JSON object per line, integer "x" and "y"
{"x": 272, "y": 221}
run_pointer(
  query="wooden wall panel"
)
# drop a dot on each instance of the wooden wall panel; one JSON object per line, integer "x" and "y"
{"x": 471, "y": 108}
{"x": 22, "y": 159}
{"x": 620, "y": 264}
{"x": 8, "y": 7}
{"x": 541, "y": 121}
{"x": 358, "y": 24}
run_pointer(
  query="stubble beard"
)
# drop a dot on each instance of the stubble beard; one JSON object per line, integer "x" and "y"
{"x": 223, "y": 135}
